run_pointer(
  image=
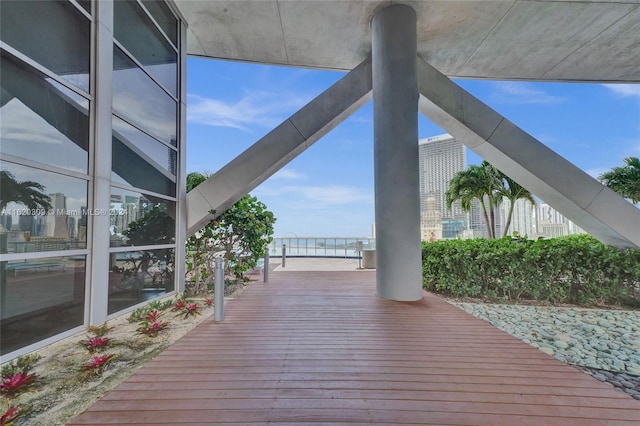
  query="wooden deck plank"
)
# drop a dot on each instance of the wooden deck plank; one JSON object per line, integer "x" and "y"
{"x": 321, "y": 348}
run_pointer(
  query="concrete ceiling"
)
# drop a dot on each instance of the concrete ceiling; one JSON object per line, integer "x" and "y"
{"x": 553, "y": 40}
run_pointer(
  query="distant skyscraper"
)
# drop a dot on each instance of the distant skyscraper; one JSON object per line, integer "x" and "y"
{"x": 440, "y": 158}
{"x": 522, "y": 220}
{"x": 551, "y": 223}
{"x": 431, "y": 221}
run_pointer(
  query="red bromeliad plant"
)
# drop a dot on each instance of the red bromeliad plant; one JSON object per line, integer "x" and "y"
{"x": 179, "y": 305}
{"x": 208, "y": 301}
{"x": 99, "y": 363}
{"x": 152, "y": 329}
{"x": 93, "y": 344}
{"x": 152, "y": 316}
{"x": 190, "y": 310}
{"x": 12, "y": 413}
{"x": 17, "y": 383}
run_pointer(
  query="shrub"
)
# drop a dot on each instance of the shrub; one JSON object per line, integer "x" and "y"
{"x": 576, "y": 269}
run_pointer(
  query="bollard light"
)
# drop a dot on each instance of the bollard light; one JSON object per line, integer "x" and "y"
{"x": 266, "y": 265}
{"x": 284, "y": 255}
{"x": 218, "y": 290}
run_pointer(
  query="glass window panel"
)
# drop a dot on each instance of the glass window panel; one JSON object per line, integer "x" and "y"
{"x": 137, "y": 33}
{"x": 41, "y": 119}
{"x": 140, "y": 220}
{"x": 86, "y": 5}
{"x": 42, "y": 211}
{"x": 53, "y": 33}
{"x": 158, "y": 155}
{"x": 142, "y": 101}
{"x": 40, "y": 298}
{"x": 141, "y": 161}
{"x": 163, "y": 16}
{"x": 138, "y": 276}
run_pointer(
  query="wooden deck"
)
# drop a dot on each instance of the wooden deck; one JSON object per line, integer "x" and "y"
{"x": 321, "y": 348}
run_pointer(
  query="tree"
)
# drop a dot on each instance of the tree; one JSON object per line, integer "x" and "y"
{"x": 489, "y": 186}
{"x": 27, "y": 192}
{"x": 624, "y": 180}
{"x": 477, "y": 182}
{"x": 513, "y": 192}
{"x": 240, "y": 234}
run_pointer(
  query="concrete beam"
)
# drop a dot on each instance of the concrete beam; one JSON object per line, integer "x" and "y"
{"x": 595, "y": 208}
{"x": 278, "y": 147}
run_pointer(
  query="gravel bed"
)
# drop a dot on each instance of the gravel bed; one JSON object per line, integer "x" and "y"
{"x": 603, "y": 343}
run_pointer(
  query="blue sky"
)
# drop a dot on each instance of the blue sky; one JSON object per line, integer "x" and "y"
{"x": 328, "y": 189}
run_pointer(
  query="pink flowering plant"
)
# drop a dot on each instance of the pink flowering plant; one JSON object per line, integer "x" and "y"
{"x": 16, "y": 383}
{"x": 95, "y": 344}
{"x": 152, "y": 316}
{"x": 152, "y": 329}
{"x": 16, "y": 376}
{"x": 97, "y": 364}
{"x": 11, "y": 413}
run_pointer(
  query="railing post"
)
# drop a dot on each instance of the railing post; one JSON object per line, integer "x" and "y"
{"x": 266, "y": 265}
{"x": 218, "y": 290}
{"x": 284, "y": 255}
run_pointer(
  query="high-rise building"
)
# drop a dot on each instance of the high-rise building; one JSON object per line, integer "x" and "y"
{"x": 551, "y": 223}
{"x": 441, "y": 157}
{"x": 522, "y": 218}
{"x": 431, "y": 221}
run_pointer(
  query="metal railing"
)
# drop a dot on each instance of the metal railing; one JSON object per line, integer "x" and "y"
{"x": 344, "y": 247}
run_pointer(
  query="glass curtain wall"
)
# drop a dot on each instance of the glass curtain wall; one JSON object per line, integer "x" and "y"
{"x": 144, "y": 153}
{"x": 48, "y": 190}
{"x": 45, "y": 169}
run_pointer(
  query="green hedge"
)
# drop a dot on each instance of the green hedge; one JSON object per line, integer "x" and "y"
{"x": 577, "y": 269}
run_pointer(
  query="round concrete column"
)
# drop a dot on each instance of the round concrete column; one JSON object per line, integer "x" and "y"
{"x": 395, "y": 139}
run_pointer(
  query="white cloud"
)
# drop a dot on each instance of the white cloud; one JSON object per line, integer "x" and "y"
{"x": 255, "y": 108}
{"x": 624, "y": 90}
{"x": 513, "y": 92}
{"x": 289, "y": 174}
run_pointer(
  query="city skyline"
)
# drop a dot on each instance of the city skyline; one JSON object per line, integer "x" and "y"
{"x": 328, "y": 189}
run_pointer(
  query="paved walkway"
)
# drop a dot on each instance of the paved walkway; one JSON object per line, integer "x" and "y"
{"x": 320, "y": 348}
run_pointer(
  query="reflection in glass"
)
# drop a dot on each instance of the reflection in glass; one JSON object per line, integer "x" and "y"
{"x": 86, "y": 5}
{"x": 138, "y": 276}
{"x": 141, "y": 161}
{"x": 40, "y": 298}
{"x": 163, "y": 16}
{"x": 41, "y": 119}
{"x": 41, "y": 211}
{"x": 139, "y": 220}
{"x": 53, "y": 33}
{"x": 141, "y": 100}
{"x": 138, "y": 34}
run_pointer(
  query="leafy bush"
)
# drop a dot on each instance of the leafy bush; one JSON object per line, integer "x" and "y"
{"x": 576, "y": 269}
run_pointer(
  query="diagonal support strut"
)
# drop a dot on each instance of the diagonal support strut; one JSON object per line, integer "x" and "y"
{"x": 592, "y": 206}
{"x": 268, "y": 155}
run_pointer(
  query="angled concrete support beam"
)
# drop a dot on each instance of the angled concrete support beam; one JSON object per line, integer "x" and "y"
{"x": 278, "y": 147}
{"x": 581, "y": 198}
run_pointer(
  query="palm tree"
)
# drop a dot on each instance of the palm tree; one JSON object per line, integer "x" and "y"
{"x": 625, "y": 180}
{"x": 513, "y": 192}
{"x": 26, "y": 192}
{"x": 477, "y": 182}
{"x": 490, "y": 186}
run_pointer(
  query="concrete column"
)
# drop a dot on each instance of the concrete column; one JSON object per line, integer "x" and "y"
{"x": 99, "y": 257}
{"x": 395, "y": 139}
